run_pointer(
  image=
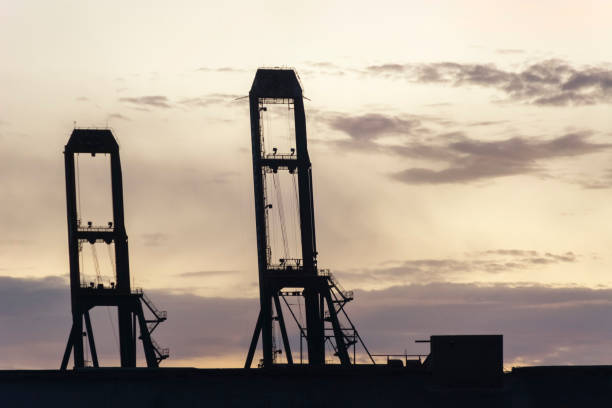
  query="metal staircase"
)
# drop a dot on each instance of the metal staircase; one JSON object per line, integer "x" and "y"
{"x": 340, "y": 297}
{"x": 161, "y": 353}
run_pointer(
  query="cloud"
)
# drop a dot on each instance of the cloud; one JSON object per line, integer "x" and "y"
{"x": 487, "y": 123}
{"x": 512, "y": 252}
{"x": 322, "y": 64}
{"x": 366, "y": 130}
{"x": 154, "y": 239}
{"x": 467, "y": 159}
{"x": 209, "y": 100}
{"x": 36, "y": 320}
{"x": 118, "y": 116}
{"x": 509, "y": 51}
{"x": 157, "y": 101}
{"x": 550, "y": 82}
{"x": 222, "y": 69}
{"x": 447, "y": 269}
{"x": 323, "y": 67}
{"x": 372, "y": 126}
{"x": 474, "y": 160}
{"x": 14, "y": 242}
{"x": 604, "y": 181}
{"x": 206, "y": 273}
{"x": 540, "y": 324}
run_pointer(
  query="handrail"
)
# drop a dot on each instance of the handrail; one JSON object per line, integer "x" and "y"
{"x": 346, "y": 294}
{"x": 162, "y": 352}
{"x": 272, "y": 156}
{"x": 405, "y": 357}
{"x": 160, "y": 314}
{"x": 96, "y": 228}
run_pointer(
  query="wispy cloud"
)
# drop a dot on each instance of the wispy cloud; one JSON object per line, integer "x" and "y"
{"x": 156, "y": 101}
{"x": 154, "y": 239}
{"x": 209, "y": 100}
{"x": 199, "y": 274}
{"x": 509, "y": 51}
{"x": 604, "y": 181}
{"x": 160, "y": 101}
{"x": 487, "y": 123}
{"x": 474, "y": 160}
{"x": 448, "y": 269}
{"x": 14, "y": 242}
{"x": 372, "y": 126}
{"x": 467, "y": 159}
{"x": 118, "y": 116}
{"x": 222, "y": 69}
{"x": 324, "y": 67}
{"x": 551, "y": 82}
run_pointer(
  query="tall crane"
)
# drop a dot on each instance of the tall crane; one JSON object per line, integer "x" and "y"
{"x": 283, "y": 277}
{"x": 118, "y": 293}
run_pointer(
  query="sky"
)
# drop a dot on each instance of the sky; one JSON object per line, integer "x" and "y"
{"x": 460, "y": 155}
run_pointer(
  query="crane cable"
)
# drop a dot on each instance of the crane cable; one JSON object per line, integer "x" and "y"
{"x": 297, "y": 226}
{"x": 112, "y": 260}
{"x": 78, "y": 215}
{"x": 94, "y": 252}
{"x": 295, "y": 203}
{"x": 78, "y": 187}
{"x": 281, "y": 213}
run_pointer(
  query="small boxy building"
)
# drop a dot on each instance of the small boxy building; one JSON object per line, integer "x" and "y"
{"x": 466, "y": 360}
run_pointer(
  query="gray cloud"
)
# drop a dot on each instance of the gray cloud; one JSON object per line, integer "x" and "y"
{"x": 222, "y": 69}
{"x": 35, "y": 319}
{"x": 323, "y": 67}
{"x": 159, "y": 101}
{"x": 365, "y": 130}
{"x": 154, "y": 239}
{"x": 487, "y": 123}
{"x": 551, "y": 82}
{"x": 442, "y": 270}
{"x": 467, "y": 160}
{"x": 206, "y": 273}
{"x": 372, "y": 126}
{"x": 509, "y": 51}
{"x": 541, "y": 324}
{"x": 156, "y": 101}
{"x": 477, "y": 160}
{"x": 14, "y": 242}
{"x": 512, "y": 252}
{"x": 322, "y": 64}
{"x": 118, "y": 116}
{"x": 604, "y": 181}
{"x": 208, "y": 100}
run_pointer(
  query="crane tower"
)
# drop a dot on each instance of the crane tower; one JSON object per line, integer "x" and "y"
{"x": 118, "y": 293}
{"x": 283, "y": 275}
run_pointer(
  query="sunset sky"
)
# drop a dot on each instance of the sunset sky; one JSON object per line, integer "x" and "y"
{"x": 461, "y": 157}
